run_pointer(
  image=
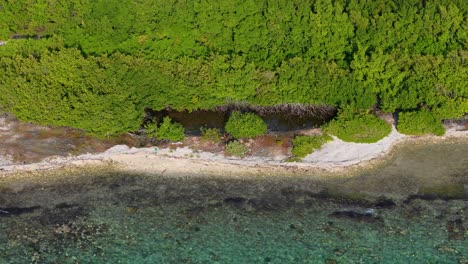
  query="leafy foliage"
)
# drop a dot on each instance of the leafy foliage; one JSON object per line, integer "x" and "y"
{"x": 210, "y": 134}
{"x": 170, "y": 131}
{"x": 167, "y": 130}
{"x": 419, "y": 123}
{"x": 63, "y": 88}
{"x": 151, "y": 128}
{"x": 361, "y": 128}
{"x": 304, "y": 145}
{"x": 96, "y": 65}
{"x": 235, "y": 148}
{"x": 246, "y": 125}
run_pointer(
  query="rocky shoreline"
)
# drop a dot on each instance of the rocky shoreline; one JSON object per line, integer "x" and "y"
{"x": 335, "y": 156}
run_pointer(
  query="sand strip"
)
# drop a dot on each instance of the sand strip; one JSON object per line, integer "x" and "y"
{"x": 334, "y": 156}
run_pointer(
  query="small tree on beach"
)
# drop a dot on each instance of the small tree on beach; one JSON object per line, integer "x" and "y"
{"x": 167, "y": 130}
{"x": 236, "y": 149}
{"x": 247, "y": 125}
{"x": 358, "y": 127}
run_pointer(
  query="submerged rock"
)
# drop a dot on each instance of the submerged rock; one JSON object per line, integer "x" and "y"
{"x": 385, "y": 203}
{"x": 10, "y": 211}
{"x": 443, "y": 192}
{"x": 263, "y": 204}
{"x": 368, "y": 215}
{"x": 235, "y": 201}
{"x": 456, "y": 230}
{"x": 345, "y": 198}
{"x": 62, "y": 213}
{"x": 65, "y": 205}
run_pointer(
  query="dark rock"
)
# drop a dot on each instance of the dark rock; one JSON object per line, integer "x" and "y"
{"x": 444, "y": 192}
{"x": 456, "y": 230}
{"x": 10, "y": 211}
{"x": 235, "y": 201}
{"x": 263, "y": 205}
{"x": 368, "y": 216}
{"x": 344, "y": 198}
{"x": 114, "y": 186}
{"x": 385, "y": 203}
{"x": 417, "y": 196}
{"x": 65, "y": 206}
{"x": 62, "y": 213}
{"x": 194, "y": 211}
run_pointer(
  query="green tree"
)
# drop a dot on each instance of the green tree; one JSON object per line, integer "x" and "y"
{"x": 246, "y": 125}
{"x": 170, "y": 130}
{"x": 330, "y": 31}
{"x": 358, "y": 127}
{"x": 419, "y": 123}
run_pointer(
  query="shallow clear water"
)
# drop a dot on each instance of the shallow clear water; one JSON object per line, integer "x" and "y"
{"x": 104, "y": 216}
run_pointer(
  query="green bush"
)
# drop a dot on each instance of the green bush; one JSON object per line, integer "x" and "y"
{"x": 304, "y": 145}
{"x": 419, "y": 123}
{"x": 210, "y": 134}
{"x": 167, "y": 130}
{"x": 151, "y": 128}
{"x": 361, "y": 128}
{"x": 235, "y": 148}
{"x": 247, "y": 125}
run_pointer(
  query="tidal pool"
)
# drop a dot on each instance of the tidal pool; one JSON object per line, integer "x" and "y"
{"x": 411, "y": 209}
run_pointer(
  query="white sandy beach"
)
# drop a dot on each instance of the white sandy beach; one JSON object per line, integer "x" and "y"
{"x": 335, "y": 155}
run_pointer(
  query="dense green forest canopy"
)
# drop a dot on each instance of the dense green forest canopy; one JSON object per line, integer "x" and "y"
{"x": 96, "y": 64}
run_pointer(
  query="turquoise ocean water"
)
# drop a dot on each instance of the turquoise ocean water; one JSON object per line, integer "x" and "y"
{"x": 402, "y": 212}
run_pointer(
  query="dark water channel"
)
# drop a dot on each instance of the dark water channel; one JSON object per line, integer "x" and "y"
{"x": 412, "y": 209}
{"x": 192, "y": 121}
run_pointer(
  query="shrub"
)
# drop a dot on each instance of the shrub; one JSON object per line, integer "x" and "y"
{"x": 247, "y": 125}
{"x": 167, "y": 130}
{"x": 419, "y": 123}
{"x": 235, "y": 148}
{"x": 304, "y": 145}
{"x": 361, "y": 128}
{"x": 170, "y": 131}
{"x": 151, "y": 128}
{"x": 210, "y": 134}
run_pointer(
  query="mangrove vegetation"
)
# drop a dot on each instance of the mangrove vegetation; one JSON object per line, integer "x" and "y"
{"x": 96, "y": 65}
